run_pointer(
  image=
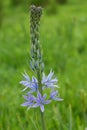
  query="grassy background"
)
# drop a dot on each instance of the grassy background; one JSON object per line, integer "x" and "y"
{"x": 63, "y": 37}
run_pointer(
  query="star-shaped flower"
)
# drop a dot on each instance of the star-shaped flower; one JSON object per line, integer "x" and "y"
{"x": 54, "y": 96}
{"x": 30, "y": 100}
{"x": 40, "y": 101}
{"x": 33, "y": 85}
{"x": 49, "y": 81}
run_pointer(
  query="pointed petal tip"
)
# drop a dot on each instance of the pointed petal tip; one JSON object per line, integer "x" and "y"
{"x": 42, "y": 108}
{"x": 60, "y": 99}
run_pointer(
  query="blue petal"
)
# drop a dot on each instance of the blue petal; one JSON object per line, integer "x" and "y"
{"x": 47, "y": 101}
{"x": 25, "y": 104}
{"x": 57, "y": 99}
{"x": 26, "y": 97}
{"x": 36, "y": 105}
{"x": 42, "y": 107}
{"x": 54, "y": 93}
{"x": 44, "y": 96}
{"x": 39, "y": 95}
{"x": 54, "y": 80}
{"x": 26, "y": 76}
{"x": 50, "y": 75}
{"x": 25, "y": 83}
{"x": 34, "y": 80}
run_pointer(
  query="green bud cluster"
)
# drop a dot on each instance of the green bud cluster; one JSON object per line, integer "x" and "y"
{"x": 36, "y": 56}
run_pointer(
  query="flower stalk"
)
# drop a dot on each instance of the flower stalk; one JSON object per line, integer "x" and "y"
{"x": 36, "y": 97}
{"x": 40, "y": 89}
{"x": 36, "y": 57}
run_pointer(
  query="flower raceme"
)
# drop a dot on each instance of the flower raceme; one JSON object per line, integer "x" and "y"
{"x": 32, "y": 85}
{"x": 36, "y": 96}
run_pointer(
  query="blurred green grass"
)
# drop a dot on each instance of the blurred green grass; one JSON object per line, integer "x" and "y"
{"x": 63, "y": 39}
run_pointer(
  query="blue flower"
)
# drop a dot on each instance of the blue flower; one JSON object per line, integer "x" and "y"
{"x": 33, "y": 85}
{"x": 49, "y": 81}
{"x": 30, "y": 99}
{"x": 40, "y": 101}
{"x": 54, "y": 96}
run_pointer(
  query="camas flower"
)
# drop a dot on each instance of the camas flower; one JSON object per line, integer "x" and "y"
{"x": 54, "y": 96}
{"x": 34, "y": 98}
{"x": 49, "y": 81}
{"x": 40, "y": 101}
{"x": 33, "y": 85}
{"x": 30, "y": 99}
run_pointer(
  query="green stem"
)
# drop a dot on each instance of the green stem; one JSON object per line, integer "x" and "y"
{"x": 43, "y": 121}
{"x": 40, "y": 89}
